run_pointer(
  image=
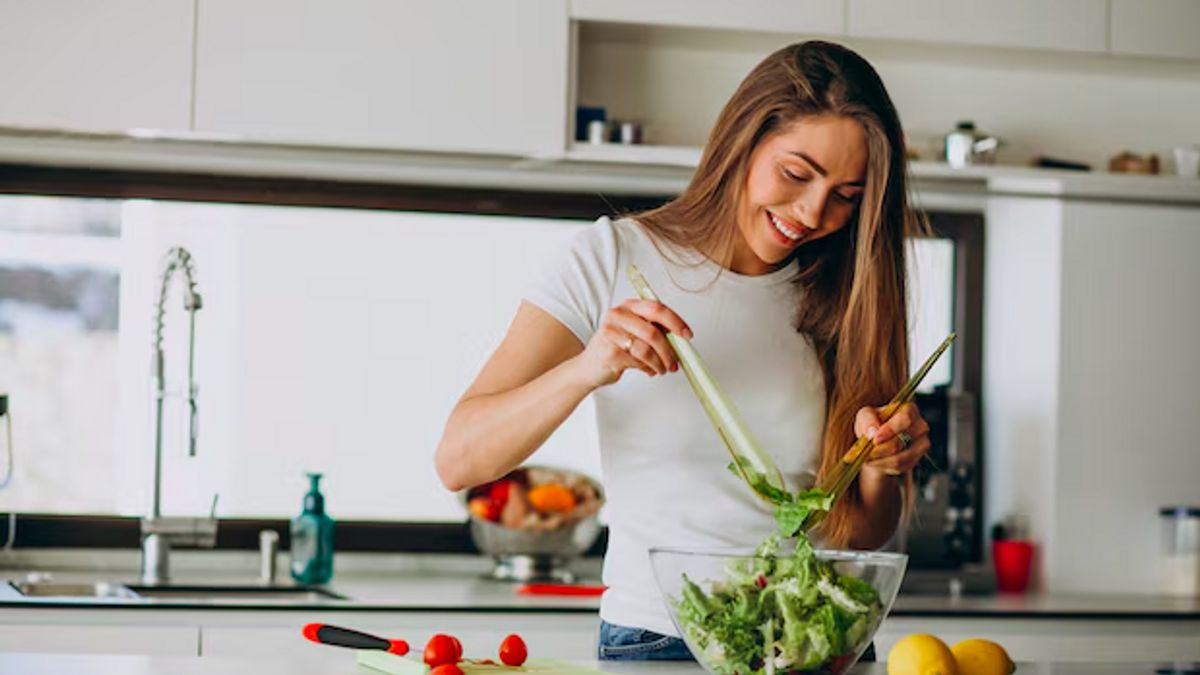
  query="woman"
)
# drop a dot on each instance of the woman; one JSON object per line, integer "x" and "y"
{"x": 785, "y": 255}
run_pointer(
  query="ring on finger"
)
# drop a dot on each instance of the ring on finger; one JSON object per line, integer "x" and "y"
{"x": 905, "y": 440}
{"x": 628, "y": 343}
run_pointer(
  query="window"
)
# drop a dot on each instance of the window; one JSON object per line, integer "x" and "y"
{"x": 60, "y": 262}
{"x": 330, "y": 340}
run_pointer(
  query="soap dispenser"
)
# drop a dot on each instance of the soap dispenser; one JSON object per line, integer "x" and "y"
{"x": 312, "y": 538}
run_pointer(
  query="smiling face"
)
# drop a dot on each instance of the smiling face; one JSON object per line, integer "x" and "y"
{"x": 803, "y": 183}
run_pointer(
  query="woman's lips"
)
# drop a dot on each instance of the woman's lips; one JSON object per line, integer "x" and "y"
{"x": 786, "y": 232}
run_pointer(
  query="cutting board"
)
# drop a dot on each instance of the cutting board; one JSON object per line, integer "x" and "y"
{"x": 402, "y": 665}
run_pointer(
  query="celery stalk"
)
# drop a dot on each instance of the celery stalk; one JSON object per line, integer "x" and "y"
{"x": 753, "y": 464}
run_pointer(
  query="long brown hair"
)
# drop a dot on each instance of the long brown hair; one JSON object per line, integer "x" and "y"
{"x": 853, "y": 303}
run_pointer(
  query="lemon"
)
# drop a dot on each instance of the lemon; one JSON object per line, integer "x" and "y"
{"x": 920, "y": 654}
{"x": 981, "y": 657}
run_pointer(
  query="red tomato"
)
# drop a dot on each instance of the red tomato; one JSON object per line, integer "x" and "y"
{"x": 441, "y": 650}
{"x": 513, "y": 651}
{"x": 446, "y": 669}
{"x": 485, "y": 508}
{"x": 499, "y": 491}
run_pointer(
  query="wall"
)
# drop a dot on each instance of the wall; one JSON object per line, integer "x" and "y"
{"x": 1022, "y": 306}
{"x": 346, "y": 337}
{"x": 1128, "y": 397}
{"x": 1080, "y": 107}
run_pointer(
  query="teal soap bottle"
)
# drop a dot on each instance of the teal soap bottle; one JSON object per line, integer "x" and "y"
{"x": 312, "y": 538}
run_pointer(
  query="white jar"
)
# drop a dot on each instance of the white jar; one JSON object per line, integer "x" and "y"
{"x": 1181, "y": 526}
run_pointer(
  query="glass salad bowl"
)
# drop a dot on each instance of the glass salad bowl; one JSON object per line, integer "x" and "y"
{"x": 774, "y": 612}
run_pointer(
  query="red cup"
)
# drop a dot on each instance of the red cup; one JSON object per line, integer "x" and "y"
{"x": 1013, "y": 560}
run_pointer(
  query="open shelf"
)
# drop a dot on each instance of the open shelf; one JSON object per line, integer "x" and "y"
{"x": 657, "y": 155}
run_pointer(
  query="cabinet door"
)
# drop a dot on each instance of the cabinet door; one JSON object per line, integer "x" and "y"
{"x": 1156, "y": 27}
{"x": 82, "y": 638}
{"x": 1069, "y": 25}
{"x": 1129, "y": 640}
{"x": 484, "y": 76}
{"x": 96, "y": 66}
{"x": 819, "y": 17}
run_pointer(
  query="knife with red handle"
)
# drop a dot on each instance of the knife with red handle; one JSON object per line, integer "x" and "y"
{"x": 344, "y": 637}
{"x": 559, "y": 589}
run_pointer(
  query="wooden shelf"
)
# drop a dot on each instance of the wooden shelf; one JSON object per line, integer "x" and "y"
{"x": 655, "y": 155}
{"x": 999, "y": 178}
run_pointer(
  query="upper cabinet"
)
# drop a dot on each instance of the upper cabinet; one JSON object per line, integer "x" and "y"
{"x": 1068, "y": 25}
{"x": 1156, "y": 28}
{"x": 820, "y": 17}
{"x": 96, "y": 66}
{"x": 486, "y": 76}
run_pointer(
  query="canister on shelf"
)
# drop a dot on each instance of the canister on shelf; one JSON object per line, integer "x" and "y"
{"x": 1181, "y": 525}
{"x": 629, "y": 133}
{"x": 584, "y": 116}
{"x": 597, "y": 132}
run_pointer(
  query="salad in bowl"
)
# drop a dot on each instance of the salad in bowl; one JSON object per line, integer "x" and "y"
{"x": 768, "y": 611}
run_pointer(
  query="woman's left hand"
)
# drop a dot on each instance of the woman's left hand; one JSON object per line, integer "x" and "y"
{"x": 899, "y": 444}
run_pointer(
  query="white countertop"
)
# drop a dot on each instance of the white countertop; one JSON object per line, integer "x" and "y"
{"x": 462, "y": 591}
{"x": 46, "y": 664}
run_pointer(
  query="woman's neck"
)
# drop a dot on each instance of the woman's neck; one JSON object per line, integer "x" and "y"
{"x": 746, "y": 262}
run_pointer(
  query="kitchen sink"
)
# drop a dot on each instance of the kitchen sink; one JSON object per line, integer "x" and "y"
{"x": 104, "y": 590}
{"x": 53, "y": 589}
{"x": 238, "y": 593}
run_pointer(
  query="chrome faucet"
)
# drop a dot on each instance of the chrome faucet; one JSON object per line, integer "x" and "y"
{"x": 158, "y": 533}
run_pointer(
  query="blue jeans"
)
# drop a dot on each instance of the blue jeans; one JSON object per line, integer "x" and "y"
{"x": 620, "y": 643}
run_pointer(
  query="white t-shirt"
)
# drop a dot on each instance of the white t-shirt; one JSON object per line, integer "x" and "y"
{"x": 664, "y": 466}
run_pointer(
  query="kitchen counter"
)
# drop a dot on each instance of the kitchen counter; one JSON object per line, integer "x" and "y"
{"x": 458, "y": 583}
{"x": 46, "y": 664}
{"x": 467, "y": 592}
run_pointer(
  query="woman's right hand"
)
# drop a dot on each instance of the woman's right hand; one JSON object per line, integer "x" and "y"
{"x": 631, "y": 336}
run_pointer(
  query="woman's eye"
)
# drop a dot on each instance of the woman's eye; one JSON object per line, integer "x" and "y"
{"x": 847, "y": 199}
{"x": 796, "y": 177}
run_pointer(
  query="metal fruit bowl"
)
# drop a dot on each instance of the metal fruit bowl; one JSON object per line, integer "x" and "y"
{"x": 536, "y": 554}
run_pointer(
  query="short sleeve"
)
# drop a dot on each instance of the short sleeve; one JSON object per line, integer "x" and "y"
{"x": 577, "y": 286}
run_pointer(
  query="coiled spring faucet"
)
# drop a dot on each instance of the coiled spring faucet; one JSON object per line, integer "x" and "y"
{"x": 158, "y": 533}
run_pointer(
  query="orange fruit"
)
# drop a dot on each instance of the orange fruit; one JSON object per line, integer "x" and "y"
{"x": 552, "y": 498}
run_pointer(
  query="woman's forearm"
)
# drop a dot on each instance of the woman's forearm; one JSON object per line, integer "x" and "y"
{"x": 488, "y": 435}
{"x": 880, "y": 509}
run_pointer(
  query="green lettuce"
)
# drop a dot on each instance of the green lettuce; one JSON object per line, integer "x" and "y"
{"x": 778, "y": 612}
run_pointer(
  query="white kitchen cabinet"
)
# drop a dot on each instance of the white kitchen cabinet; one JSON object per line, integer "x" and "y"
{"x": 487, "y": 76}
{"x": 1087, "y": 373}
{"x": 1156, "y": 28}
{"x": 89, "y": 631}
{"x": 96, "y": 66}
{"x": 1059, "y": 640}
{"x": 1067, "y": 25}
{"x": 803, "y": 17}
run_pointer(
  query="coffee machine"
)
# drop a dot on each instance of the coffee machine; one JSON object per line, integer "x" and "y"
{"x": 946, "y": 529}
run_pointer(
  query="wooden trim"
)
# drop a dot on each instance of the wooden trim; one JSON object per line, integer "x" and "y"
{"x": 113, "y": 184}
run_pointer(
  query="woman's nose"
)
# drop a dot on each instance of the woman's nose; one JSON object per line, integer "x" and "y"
{"x": 811, "y": 207}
